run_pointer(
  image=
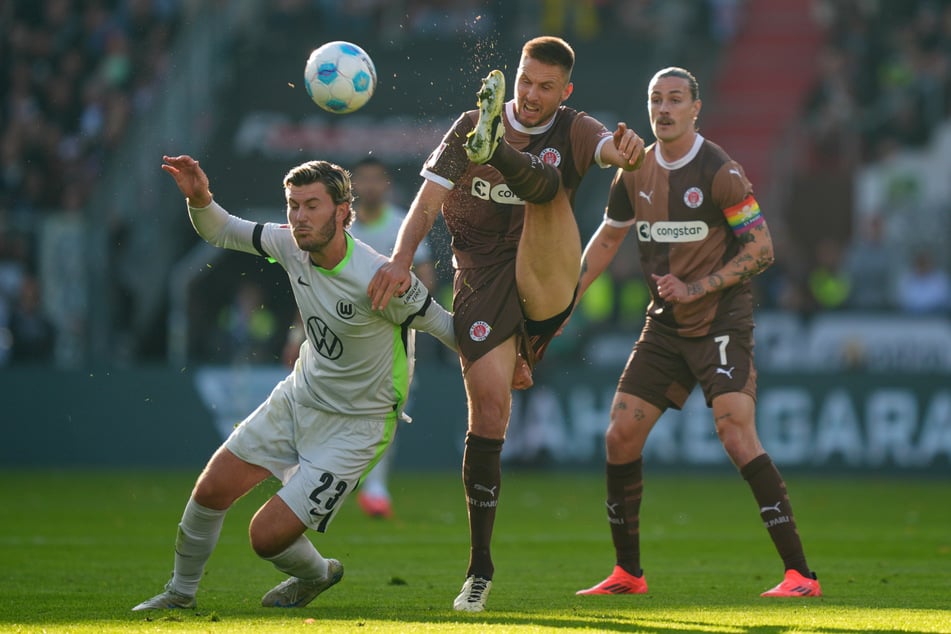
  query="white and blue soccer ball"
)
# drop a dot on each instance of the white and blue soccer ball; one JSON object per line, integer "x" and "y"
{"x": 340, "y": 77}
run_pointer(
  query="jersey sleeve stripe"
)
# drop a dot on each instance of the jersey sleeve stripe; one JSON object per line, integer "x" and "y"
{"x": 620, "y": 224}
{"x": 421, "y": 311}
{"x": 256, "y": 240}
{"x": 436, "y": 178}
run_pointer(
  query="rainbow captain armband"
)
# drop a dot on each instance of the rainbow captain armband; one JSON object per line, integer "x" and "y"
{"x": 744, "y": 216}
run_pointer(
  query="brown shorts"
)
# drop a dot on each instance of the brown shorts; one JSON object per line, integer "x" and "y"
{"x": 487, "y": 311}
{"x": 664, "y": 368}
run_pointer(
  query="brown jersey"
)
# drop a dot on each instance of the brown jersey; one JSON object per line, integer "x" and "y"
{"x": 482, "y": 214}
{"x": 485, "y": 220}
{"x": 687, "y": 216}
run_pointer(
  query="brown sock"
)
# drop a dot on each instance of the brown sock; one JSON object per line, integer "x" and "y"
{"x": 530, "y": 178}
{"x": 482, "y": 477}
{"x": 769, "y": 489}
{"x": 625, "y": 487}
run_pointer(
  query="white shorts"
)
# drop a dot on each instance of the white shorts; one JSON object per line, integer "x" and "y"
{"x": 320, "y": 457}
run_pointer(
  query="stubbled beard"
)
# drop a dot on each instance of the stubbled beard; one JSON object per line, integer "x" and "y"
{"x": 319, "y": 237}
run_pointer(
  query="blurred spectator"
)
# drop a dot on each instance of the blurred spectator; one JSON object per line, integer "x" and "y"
{"x": 62, "y": 269}
{"x": 572, "y": 18}
{"x": 726, "y": 18}
{"x": 783, "y": 287}
{"x": 377, "y": 219}
{"x": 31, "y": 331}
{"x": 14, "y": 253}
{"x": 636, "y": 17}
{"x": 870, "y": 266}
{"x": 923, "y": 288}
{"x": 828, "y": 282}
{"x": 247, "y": 329}
{"x": 830, "y": 114}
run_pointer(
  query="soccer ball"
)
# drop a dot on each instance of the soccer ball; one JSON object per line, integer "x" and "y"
{"x": 340, "y": 77}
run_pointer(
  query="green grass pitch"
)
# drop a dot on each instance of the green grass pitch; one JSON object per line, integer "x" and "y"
{"x": 79, "y": 549}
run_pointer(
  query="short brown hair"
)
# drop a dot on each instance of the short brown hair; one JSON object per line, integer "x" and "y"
{"x": 334, "y": 178}
{"x": 552, "y": 50}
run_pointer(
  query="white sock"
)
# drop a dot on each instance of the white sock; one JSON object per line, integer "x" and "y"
{"x": 197, "y": 536}
{"x": 300, "y": 560}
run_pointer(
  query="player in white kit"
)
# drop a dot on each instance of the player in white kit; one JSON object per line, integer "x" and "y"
{"x": 325, "y": 425}
{"x": 376, "y": 222}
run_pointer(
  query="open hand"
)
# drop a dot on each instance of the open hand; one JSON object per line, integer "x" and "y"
{"x": 190, "y": 178}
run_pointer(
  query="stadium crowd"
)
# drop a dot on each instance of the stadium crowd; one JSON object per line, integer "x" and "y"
{"x": 73, "y": 76}
{"x": 76, "y": 72}
{"x": 577, "y": 20}
{"x": 882, "y": 99}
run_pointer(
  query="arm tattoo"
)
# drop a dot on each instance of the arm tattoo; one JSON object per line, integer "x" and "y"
{"x": 748, "y": 263}
{"x": 751, "y": 264}
{"x": 746, "y": 274}
{"x": 765, "y": 259}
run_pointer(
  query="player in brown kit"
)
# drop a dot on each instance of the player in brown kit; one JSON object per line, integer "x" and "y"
{"x": 504, "y": 177}
{"x": 701, "y": 238}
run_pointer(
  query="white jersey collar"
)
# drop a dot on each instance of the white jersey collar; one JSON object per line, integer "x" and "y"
{"x": 683, "y": 160}
{"x": 518, "y": 127}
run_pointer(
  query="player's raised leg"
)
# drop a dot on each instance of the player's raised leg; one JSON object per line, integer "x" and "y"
{"x": 549, "y": 253}
{"x": 548, "y": 262}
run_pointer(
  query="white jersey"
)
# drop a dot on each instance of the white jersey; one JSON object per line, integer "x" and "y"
{"x": 354, "y": 361}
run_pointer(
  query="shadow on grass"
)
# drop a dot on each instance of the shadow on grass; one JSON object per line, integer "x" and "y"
{"x": 814, "y": 615}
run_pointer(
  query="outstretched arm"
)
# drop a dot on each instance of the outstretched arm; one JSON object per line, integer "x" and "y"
{"x": 211, "y": 221}
{"x": 393, "y": 278}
